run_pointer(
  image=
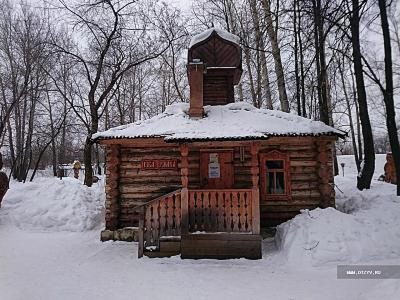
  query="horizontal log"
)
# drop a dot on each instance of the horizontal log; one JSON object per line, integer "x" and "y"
{"x": 303, "y": 163}
{"x": 266, "y": 216}
{"x": 140, "y": 196}
{"x": 303, "y": 170}
{"x": 287, "y": 208}
{"x": 148, "y": 180}
{"x": 296, "y": 202}
{"x": 304, "y": 185}
{"x": 128, "y": 188}
{"x": 131, "y": 173}
{"x": 306, "y": 193}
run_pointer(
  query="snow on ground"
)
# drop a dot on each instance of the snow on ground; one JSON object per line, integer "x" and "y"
{"x": 53, "y": 204}
{"x": 365, "y": 227}
{"x": 57, "y": 262}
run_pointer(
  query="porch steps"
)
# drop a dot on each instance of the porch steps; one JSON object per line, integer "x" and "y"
{"x": 169, "y": 246}
{"x": 209, "y": 245}
{"x": 221, "y": 246}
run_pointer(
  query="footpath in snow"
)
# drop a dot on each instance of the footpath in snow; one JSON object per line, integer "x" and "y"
{"x": 50, "y": 249}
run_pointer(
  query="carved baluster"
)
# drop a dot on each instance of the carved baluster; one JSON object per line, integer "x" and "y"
{"x": 178, "y": 214}
{"x": 170, "y": 215}
{"x": 235, "y": 212}
{"x": 213, "y": 211}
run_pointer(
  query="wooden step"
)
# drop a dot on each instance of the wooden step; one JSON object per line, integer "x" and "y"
{"x": 221, "y": 246}
{"x": 169, "y": 246}
{"x": 159, "y": 254}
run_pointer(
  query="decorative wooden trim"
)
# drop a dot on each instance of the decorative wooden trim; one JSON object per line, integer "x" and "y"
{"x": 275, "y": 155}
{"x": 255, "y": 178}
{"x": 184, "y": 165}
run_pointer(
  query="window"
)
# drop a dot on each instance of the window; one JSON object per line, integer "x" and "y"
{"x": 275, "y": 174}
{"x": 275, "y": 177}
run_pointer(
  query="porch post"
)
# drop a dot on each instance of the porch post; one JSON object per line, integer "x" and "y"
{"x": 185, "y": 192}
{"x": 254, "y": 148}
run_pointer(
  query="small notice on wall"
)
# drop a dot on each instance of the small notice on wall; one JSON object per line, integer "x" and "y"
{"x": 159, "y": 164}
{"x": 214, "y": 170}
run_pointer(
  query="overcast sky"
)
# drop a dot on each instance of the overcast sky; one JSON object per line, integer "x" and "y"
{"x": 183, "y": 4}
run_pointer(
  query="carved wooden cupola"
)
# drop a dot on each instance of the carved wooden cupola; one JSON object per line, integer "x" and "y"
{"x": 214, "y": 68}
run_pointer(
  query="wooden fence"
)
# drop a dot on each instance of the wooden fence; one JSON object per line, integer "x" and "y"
{"x": 187, "y": 211}
{"x": 220, "y": 210}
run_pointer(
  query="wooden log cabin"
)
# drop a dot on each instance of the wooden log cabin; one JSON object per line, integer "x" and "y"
{"x": 201, "y": 178}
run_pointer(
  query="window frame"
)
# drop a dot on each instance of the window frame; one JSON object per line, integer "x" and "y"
{"x": 271, "y": 156}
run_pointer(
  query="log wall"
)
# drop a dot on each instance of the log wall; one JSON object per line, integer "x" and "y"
{"x": 310, "y": 187}
{"x": 311, "y": 176}
{"x": 138, "y": 186}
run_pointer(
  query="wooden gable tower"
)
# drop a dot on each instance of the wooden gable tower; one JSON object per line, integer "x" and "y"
{"x": 214, "y": 68}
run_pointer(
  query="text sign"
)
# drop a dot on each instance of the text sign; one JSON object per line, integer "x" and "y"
{"x": 159, "y": 164}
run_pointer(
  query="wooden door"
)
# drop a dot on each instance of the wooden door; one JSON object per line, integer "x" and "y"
{"x": 216, "y": 169}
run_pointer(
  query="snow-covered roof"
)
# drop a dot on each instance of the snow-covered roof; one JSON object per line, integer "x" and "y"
{"x": 222, "y": 33}
{"x": 235, "y": 121}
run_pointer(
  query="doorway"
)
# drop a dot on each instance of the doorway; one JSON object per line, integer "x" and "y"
{"x": 216, "y": 169}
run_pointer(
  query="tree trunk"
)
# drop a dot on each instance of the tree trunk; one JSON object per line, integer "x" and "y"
{"x": 263, "y": 59}
{"x": 388, "y": 93}
{"x": 302, "y": 75}
{"x": 320, "y": 62}
{"x": 250, "y": 74}
{"x": 88, "y": 150}
{"x": 87, "y": 160}
{"x": 352, "y": 133}
{"x": 368, "y": 167}
{"x": 296, "y": 59}
{"x": 276, "y": 53}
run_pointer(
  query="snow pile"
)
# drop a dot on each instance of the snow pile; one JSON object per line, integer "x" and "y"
{"x": 238, "y": 120}
{"x": 51, "y": 204}
{"x": 205, "y": 35}
{"x": 367, "y": 229}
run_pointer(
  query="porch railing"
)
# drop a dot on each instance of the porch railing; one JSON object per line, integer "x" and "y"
{"x": 159, "y": 217}
{"x": 188, "y": 211}
{"x": 221, "y": 210}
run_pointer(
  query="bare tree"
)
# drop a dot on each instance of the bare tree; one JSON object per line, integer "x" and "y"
{"x": 367, "y": 169}
{"x": 388, "y": 92}
{"x": 276, "y": 52}
{"x": 118, "y": 38}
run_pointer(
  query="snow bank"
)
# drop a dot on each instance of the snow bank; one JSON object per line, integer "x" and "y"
{"x": 366, "y": 228}
{"x": 51, "y": 204}
{"x": 232, "y": 121}
{"x": 222, "y": 33}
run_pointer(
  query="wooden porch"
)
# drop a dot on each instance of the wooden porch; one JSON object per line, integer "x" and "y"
{"x": 207, "y": 223}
